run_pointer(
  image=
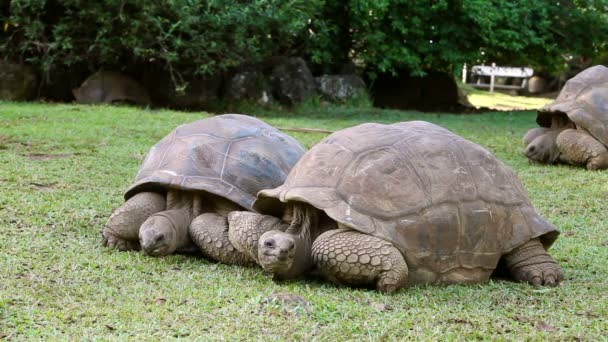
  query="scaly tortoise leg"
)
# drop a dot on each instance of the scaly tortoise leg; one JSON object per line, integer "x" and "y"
{"x": 580, "y": 148}
{"x": 210, "y": 233}
{"x": 531, "y": 263}
{"x": 348, "y": 257}
{"x": 122, "y": 229}
{"x": 246, "y": 228}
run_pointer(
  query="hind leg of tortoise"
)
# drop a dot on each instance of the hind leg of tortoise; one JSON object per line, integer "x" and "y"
{"x": 210, "y": 233}
{"x": 122, "y": 229}
{"x": 580, "y": 148}
{"x": 352, "y": 258}
{"x": 531, "y": 263}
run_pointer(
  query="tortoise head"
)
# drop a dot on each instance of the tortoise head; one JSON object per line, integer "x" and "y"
{"x": 283, "y": 254}
{"x": 160, "y": 234}
{"x": 282, "y": 250}
{"x": 543, "y": 149}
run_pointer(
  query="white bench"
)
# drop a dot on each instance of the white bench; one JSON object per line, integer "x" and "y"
{"x": 494, "y": 71}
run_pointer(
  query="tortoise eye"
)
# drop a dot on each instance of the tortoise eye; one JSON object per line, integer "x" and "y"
{"x": 269, "y": 243}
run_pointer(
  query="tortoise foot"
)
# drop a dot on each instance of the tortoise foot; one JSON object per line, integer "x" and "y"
{"x": 122, "y": 245}
{"x": 210, "y": 233}
{"x": 122, "y": 229}
{"x": 531, "y": 263}
{"x": 352, "y": 258}
{"x": 580, "y": 148}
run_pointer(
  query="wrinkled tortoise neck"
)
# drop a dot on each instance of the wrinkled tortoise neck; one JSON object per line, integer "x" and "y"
{"x": 304, "y": 229}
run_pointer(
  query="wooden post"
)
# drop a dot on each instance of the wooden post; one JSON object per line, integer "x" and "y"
{"x": 492, "y": 77}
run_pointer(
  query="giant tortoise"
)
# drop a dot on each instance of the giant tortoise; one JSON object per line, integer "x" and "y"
{"x": 401, "y": 204}
{"x": 574, "y": 128}
{"x": 194, "y": 177}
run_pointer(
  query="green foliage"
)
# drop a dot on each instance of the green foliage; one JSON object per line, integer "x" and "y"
{"x": 195, "y": 36}
{"x": 209, "y": 36}
{"x": 418, "y": 35}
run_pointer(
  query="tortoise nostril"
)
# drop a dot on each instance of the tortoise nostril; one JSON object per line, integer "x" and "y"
{"x": 159, "y": 237}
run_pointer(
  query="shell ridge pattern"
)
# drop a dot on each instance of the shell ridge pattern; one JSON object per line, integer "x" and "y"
{"x": 455, "y": 142}
{"x": 227, "y": 156}
{"x": 205, "y": 135}
{"x": 346, "y": 199}
{"x": 162, "y": 159}
{"x": 411, "y": 156}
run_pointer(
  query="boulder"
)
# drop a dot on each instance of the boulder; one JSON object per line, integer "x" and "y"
{"x": 248, "y": 86}
{"x": 292, "y": 82}
{"x": 340, "y": 87}
{"x": 17, "y": 82}
{"x": 111, "y": 87}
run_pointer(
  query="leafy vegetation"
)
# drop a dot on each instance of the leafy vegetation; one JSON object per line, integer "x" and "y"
{"x": 65, "y": 167}
{"x": 415, "y": 35}
{"x": 208, "y": 37}
{"x": 202, "y": 37}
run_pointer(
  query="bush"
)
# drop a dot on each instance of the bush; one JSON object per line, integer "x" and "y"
{"x": 207, "y": 37}
{"x": 420, "y": 35}
{"x": 193, "y": 36}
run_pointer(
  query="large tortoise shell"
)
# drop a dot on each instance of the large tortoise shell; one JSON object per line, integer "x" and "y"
{"x": 233, "y": 156}
{"x": 584, "y": 99}
{"x": 450, "y": 206}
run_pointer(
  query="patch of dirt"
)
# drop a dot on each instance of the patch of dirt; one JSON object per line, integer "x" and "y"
{"x": 44, "y": 156}
{"x": 43, "y": 187}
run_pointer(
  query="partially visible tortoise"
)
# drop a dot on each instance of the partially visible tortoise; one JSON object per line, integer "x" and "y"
{"x": 574, "y": 128}
{"x": 111, "y": 87}
{"x": 193, "y": 178}
{"x": 401, "y": 204}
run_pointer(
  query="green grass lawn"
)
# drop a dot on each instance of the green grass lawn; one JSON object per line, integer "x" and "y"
{"x": 63, "y": 169}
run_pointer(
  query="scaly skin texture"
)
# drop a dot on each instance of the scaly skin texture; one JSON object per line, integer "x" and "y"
{"x": 352, "y": 258}
{"x": 287, "y": 254}
{"x": 122, "y": 229}
{"x": 210, "y": 233}
{"x": 246, "y": 228}
{"x": 580, "y": 148}
{"x": 531, "y": 263}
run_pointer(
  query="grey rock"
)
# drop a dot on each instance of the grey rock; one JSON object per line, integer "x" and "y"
{"x": 111, "y": 87}
{"x": 249, "y": 86}
{"x": 292, "y": 81}
{"x": 17, "y": 82}
{"x": 340, "y": 87}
